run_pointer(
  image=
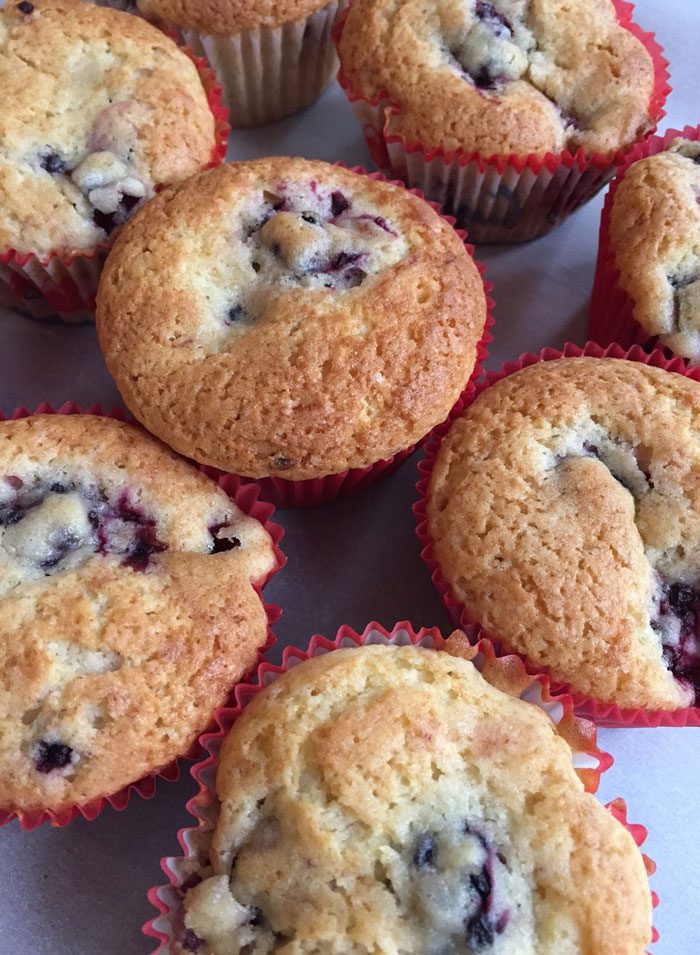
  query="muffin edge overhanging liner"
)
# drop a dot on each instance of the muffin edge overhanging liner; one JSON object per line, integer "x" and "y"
{"x": 311, "y": 492}
{"x": 605, "y": 714}
{"x": 507, "y": 671}
{"x": 247, "y": 498}
{"x": 611, "y": 311}
{"x": 512, "y": 198}
{"x": 64, "y": 284}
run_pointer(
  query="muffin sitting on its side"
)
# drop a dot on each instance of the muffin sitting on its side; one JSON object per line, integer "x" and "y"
{"x": 127, "y": 610}
{"x": 288, "y": 317}
{"x": 655, "y": 240}
{"x": 389, "y": 799}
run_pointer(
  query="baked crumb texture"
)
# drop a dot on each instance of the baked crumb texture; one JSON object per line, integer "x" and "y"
{"x": 390, "y": 800}
{"x": 288, "y": 317}
{"x": 501, "y": 77}
{"x": 100, "y": 108}
{"x": 127, "y": 607}
{"x": 564, "y": 513}
{"x": 654, "y": 238}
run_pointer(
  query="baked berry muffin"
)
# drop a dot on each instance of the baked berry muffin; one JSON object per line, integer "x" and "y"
{"x": 564, "y": 513}
{"x": 288, "y": 317}
{"x": 499, "y": 80}
{"x": 389, "y": 799}
{"x": 100, "y": 109}
{"x": 654, "y": 238}
{"x": 127, "y": 607}
{"x": 273, "y": 57}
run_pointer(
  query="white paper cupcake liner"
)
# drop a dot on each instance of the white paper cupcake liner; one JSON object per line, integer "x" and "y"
{"x": 270, "y": 72}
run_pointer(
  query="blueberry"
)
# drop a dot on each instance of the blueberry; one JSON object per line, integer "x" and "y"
{"x": 310, "y": 218}
{"x": 129, "y": 202}
{"x": 487, "y": 13}
{"x": 51, "y": 756}
{"x": 143, "y": 546}
{"x": 281, "y": 463}
{"x": 481, "y": 883}
{"x": 236, "y": 313}
{"x": 682, "y": 600}
{"x": 25, "y": 7}
{"x": 61, "y": 545}
{"x": 339, "y": 203}
{"x": 10, "y": 515}
{"x": 424, "y": 851}
{"x": 256, "y": 266}
{"x": 222, "y": 544}
{"x": 342, "y": 259}
{"x": 257, "y": 918}
{"x": 51, "y": 161}
{"x": 480, "y": 933}
{"x": 191, "y": 942}
{"x": 58, "y": 488}
{"x": 106, "y": 221}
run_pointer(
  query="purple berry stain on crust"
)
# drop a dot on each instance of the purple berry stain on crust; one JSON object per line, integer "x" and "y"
{"x": 14, "y": 481}
{"x": 51, "y": 756}
{"x": 683, "y": 658}
{"x": 339, "y": 203}
{"x": 191, "y": 942}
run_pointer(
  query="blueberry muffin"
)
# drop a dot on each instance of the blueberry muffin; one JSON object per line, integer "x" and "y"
{"x": 501, "y": 77}
{"x": 127, "y": 607}
{"x": 654, "y": 236}
{"x": 288, "y": 317}
{"x": 273, "y": 57}
{"x": 564, "y": 510}
{"x": 388, "y": 799}
{"x": 100, "y": 108}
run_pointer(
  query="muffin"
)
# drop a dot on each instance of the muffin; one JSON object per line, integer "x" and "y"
{"x": 388, "y": 798}
{"x": 128, "y": 607}
{"x": 564, "y": 514}
{"x": 290, "y": 318}
{"x": 485, "y": 105}
{"x": 649, "y": 265}
{"x": 273, "y": 57}
{"x": 100, "y": 110}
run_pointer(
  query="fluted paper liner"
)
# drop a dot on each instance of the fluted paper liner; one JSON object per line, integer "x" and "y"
{"x": 606, "y": 714}
{"x": 510, "y": 198}
{"x": 508, "y": 673}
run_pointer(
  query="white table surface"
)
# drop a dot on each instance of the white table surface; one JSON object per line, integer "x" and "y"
{"x": 81, "y": 890}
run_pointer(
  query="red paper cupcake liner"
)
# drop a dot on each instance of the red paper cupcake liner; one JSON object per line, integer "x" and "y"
{"x": 606, "y": 714}
{"x": 611, "y": 315}
{"x": 511, "y": 198}
{"x": 310, "y": 492}
{"x": 247, "y": 498}
{"x": 182, "y": 871}
{"x": 64, "y": 284}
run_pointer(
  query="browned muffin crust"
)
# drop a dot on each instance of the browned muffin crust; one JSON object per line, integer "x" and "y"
{"x": 127, "y": 610}
{"x": 286, "y": 316}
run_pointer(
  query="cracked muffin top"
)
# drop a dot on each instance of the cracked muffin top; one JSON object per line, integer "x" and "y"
{"x": 100, "y": 108}
{"x": 389, "y": 799}
{"x": 285, "y": 316}
{"x": 501, "y": 77}
{"x": 564, "y": 507}
{"x": 127, "y": 609}
{"x": 655, "y": 238}
{"x": 231, "y": 17}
